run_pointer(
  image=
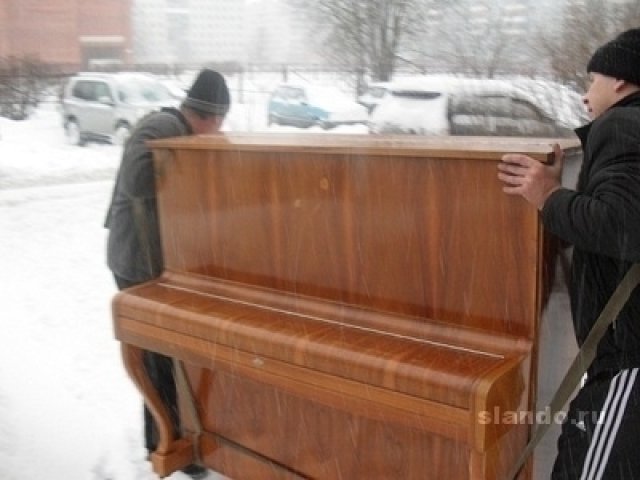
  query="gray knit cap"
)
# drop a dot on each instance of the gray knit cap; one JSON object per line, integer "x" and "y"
{"x": 209, "y": 94}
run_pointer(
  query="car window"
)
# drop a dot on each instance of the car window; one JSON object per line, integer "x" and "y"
{"x": 84, "y": 90}
{"x": 495, "y": 106}
{"x": 523, "y": 109}
{"x": 289, "y": 93}
{"x": 499, "y": 106}
{"x": 279, "y": 93}
{"x": 102, "y": 91}
{"x": 142, "y": 90}
{"x": 296, "y": 94}
{"x": 416, "y": 94}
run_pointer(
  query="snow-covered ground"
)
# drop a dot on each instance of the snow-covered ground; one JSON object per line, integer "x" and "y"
{"x": 68, "y": 411}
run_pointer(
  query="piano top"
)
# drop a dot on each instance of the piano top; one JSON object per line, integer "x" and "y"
{"x": 396, "y": 145}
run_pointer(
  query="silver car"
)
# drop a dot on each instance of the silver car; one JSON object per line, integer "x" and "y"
{"x": 106, "y": 106}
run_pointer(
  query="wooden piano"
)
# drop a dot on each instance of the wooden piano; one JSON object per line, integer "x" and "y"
{"x": 344, "y": 306}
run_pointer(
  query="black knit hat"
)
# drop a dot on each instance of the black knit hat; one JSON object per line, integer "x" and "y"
{"x": 208, "y": 94}
{"x": 619, "y": 58}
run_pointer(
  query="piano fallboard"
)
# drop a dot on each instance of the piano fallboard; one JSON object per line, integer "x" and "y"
{"x": 436, "y": 364}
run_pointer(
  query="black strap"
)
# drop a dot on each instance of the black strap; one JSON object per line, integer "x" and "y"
{"x": 581, "y": 362}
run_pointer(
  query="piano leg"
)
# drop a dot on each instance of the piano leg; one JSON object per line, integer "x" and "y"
{"x": 170, "y": 454}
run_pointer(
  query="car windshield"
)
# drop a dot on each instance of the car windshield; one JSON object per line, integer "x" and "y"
{"x": 328, "y": 97}
{"x": 140, "y": 90}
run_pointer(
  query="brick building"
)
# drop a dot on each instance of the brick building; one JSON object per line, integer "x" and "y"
{"x": 74, "y": 32}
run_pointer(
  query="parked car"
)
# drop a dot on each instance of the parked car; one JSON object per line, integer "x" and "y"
{"x": 446, "y": 105}
{"x": 305, "y": 106}
{"x": 373, "y": 94}
{"x": 105, "y": 106}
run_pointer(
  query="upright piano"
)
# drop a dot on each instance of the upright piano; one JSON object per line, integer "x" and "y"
{"x": 342, "y": 306}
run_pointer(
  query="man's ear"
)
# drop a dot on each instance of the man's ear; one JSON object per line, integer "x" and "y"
{"x": 620, "y": 85}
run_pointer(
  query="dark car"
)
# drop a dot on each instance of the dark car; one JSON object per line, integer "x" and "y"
{"x": 444, "y": 105}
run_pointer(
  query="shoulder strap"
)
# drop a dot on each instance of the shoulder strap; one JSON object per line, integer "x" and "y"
{"x": 582, "y": 361}
{"x": 177, "y": 113}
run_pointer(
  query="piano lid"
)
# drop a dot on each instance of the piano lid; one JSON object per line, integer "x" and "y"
{"x": 396, "y": 145}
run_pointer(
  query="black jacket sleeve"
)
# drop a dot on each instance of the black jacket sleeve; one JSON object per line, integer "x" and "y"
{"x": 603, "y": 215}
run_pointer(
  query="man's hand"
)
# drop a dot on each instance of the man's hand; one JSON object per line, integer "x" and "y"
{"x": 528, "y": 177}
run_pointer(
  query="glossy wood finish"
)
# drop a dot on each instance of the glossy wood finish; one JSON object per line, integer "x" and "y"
{"x": 347, "y": 306}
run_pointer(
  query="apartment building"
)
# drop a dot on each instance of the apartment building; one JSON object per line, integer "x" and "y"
{"x": 279, "y": 34}
{"x": 189, "y": 31}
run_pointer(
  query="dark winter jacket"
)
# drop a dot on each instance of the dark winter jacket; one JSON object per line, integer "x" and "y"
{"x": 602, "y": 220}
{"x": 133, "y": 249}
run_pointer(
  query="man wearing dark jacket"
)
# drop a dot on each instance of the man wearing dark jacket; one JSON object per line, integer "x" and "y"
{"x": 134, "y": 253}
{"x": 601, "y": 219}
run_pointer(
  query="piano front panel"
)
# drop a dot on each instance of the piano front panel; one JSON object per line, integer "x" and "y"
{"x": 416, "y": 236}
{"x": 323, "y": 441}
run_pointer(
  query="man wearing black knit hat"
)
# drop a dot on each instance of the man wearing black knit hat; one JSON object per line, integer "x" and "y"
{"x": 133, "y": 249}
{"x": 601, "y": 219}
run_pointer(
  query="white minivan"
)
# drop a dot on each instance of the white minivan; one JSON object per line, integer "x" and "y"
{"x": 106, "y": 106}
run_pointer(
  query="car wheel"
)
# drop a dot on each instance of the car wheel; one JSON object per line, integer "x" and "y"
{"x": 72, "y": 131}
{"x": 121, "y": 134}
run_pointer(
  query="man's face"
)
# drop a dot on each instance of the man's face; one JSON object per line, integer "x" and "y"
{"x": 206, "y": 125}
{"x": 602, "y": 94}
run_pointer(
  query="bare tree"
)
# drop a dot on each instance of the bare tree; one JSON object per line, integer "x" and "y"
{"x": 586, "y": 26}
{"x": 475, "y": 37}
{"x": 365, "y": 34}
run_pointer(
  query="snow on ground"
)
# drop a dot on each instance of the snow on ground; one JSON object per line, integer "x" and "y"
{"x": 68, "y": 411}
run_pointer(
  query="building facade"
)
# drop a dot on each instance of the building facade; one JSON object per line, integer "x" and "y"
{"x": 97, "y": 33}
{"x": 73, "y": 32}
